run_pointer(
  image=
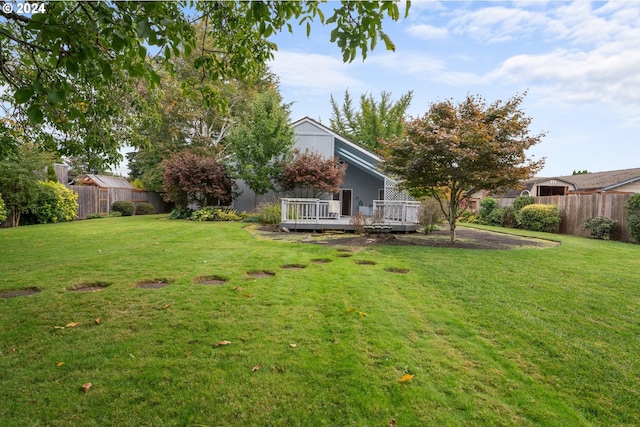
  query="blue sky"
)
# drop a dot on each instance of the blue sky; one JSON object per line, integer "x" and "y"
{"x": 579, "y": 63}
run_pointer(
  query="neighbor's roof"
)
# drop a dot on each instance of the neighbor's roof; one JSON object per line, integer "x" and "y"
{"x": 603, "y": 180}
{"x": 105, "y": 181}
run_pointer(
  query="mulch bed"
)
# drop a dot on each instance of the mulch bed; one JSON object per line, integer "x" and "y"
{"x": 466, "y": 238}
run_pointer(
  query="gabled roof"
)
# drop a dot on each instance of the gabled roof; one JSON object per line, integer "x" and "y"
{"x": 105, "y": 181}
{"x": 608, "y": 180}
{"x": 348, "y": 150}
{"x": 597, "y": 181}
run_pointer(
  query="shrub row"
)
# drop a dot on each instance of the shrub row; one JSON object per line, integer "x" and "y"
{"x": 128, "y": 208}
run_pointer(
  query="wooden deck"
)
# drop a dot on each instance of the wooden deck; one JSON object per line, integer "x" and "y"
{"x": 324, "y": 215}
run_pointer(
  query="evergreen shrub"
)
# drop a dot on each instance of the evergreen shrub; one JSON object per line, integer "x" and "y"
{"x": 145, "y": 209}
{"x": 538, "y": 217}
{"x": 125, "y": 207}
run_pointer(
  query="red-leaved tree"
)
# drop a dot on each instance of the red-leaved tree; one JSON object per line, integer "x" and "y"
{"x": 191, "y": 178}
{"x": 311, "y": 175}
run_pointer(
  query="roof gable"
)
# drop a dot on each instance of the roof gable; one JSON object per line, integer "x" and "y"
{"x": 346, "y": 149}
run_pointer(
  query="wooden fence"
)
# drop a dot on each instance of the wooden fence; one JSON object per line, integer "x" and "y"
{"x": 93, "y": 200}
{"x": 575, "y": 208}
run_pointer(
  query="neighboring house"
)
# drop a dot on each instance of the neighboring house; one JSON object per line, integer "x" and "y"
{"x": 623, "y": 181}
{"x": 363, "y": 182}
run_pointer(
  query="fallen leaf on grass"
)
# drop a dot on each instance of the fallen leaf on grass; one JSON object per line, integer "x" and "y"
{"x": 59, "y": 364}
{"x": 293, "y": 345}
{"x": 86, "y": 386}
{"x": 72, "y": 324}
{"x": 362, "y": 314}
{"x": 255, "y": 368}
{"x": 97, "y": 321}
{"x": 248, "y": 295}
{"x": 223, "y": 342}
{"x": 164, "y": 307}
{"x": 406, "y": 377}
{"x": 235, "y": 288}
{"x": 59, "y": 327}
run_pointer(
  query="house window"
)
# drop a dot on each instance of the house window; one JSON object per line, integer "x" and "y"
{"x": 550, "y": 190}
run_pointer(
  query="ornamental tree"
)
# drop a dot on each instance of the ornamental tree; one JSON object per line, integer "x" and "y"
{"x": 457, "y": 149}
{"x": 311, "y": 175}
{"x": 192, "y": 178}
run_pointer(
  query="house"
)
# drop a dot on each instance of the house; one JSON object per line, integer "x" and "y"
{"x": 364, "y": 187}
{"x": 623, "y": 181}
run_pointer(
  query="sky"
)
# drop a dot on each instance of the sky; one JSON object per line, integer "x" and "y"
{"x": 578, "y": 63}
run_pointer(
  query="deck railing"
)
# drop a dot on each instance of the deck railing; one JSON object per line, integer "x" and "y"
{"x": 402, "y": 211}
{"x": 309, "y": 210}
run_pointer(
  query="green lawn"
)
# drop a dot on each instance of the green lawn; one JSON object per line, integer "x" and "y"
{"x": 522, "y": 337}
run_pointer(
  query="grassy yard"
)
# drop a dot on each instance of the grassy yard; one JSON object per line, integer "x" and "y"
{"x": 522, "y": 337}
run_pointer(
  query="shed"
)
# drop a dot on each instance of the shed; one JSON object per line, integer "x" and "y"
{"x": 100, "y": 191}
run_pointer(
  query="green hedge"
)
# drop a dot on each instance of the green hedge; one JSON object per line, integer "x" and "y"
{"x": 145, "y": 209}
{"x": 632, "y": 206}
{"x": 537, "y": 217}
{"x": 125, "y": 207}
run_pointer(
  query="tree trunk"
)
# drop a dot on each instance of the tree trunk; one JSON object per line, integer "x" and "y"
{"x": 452, "y": 219}
{"x": 452, "y": 230}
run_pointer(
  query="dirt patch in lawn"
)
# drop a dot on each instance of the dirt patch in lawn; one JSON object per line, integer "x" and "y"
{"x": 293, "y": 266}
{"x": 397, "y": 270}
{"x": 466, "y": 238}
{"x": 153, "y": 284}
{"x": 260, "y": 273}
{"x": 88, "y": 287}
{"x": 13, "y": 293}
{"x": 210, "y": 280}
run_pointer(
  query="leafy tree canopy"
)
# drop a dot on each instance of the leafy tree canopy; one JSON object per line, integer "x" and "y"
{"x": 190, "y": 178}
{"x": 373, "y": 122}
{"x": 311, "y": 175}
{"x": 20, "y": 174}
{"x": 78, "y": 74}
{"x": 457, "y": 149}
{"x": 260, "y": 141}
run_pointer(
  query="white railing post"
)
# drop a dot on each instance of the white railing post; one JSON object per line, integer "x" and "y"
{"x": 283, "y": 210}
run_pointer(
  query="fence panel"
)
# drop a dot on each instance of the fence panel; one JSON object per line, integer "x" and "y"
{"x": 92, "y": 200}
{"x": 575, "y": 208}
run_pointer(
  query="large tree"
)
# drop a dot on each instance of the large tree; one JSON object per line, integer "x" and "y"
{"x": 78, "y": 72}
{"x": 184, "y": 122}
{"x": 374, "y": 121}
{"x": 260, "y": 141}
{"x": 456, "y": 149}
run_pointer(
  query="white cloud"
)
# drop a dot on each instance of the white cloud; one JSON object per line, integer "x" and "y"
{"x": 427, "y": 32}
{"x": 497, "y": 23}
{"x": 313, "y": 73}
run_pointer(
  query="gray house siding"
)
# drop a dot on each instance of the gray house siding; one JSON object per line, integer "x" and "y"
{"x": 309, "y": 137}
{"x": 365, "y": 188}
{"x": 362, "y": 177}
